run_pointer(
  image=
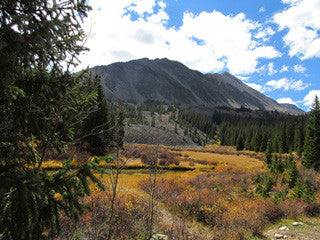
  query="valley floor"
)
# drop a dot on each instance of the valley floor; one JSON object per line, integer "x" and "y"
{"x": 223, "y": 195}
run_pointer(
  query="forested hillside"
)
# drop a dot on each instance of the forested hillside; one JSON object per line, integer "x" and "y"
{"x": 244, "y": 128}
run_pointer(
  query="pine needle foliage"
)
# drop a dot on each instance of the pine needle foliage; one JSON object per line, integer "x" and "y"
{"x": 312, "y": 141}
{"x": 42, "y": 109}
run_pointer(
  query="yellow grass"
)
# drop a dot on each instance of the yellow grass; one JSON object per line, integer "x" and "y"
{"x": 219, "y": 148}
{"x": 213, "y": 155}
{"x": 241, "y": 161}
{"x": 220, "y": 157}
{"x": 52, "y": 164}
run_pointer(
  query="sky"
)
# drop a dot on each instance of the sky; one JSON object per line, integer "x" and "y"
{"x": 271, "y": 45}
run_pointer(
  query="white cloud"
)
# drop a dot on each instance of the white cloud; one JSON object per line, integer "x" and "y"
{"x": 277, "y": 84}
{"x": 162, "y": 17}
{"x": 271, "y": 69}
{"x": 265, "y": 33}
{"x": 142, "y": 6}
{"x": 228, "y": 37}
{"x": 262, "y": 70}
{"x": 309, "y": 98}
{"x": 287, "y": 100}
{"x": 285, "y": 84}
{"x": 302, "y": 20}
{"x": 118, "y": 34}
{"x": 299, "y": 68}
{"x": 299, "y": 85}
{"x": 262, "y": 9}
{"x": 284, "y": 68}
{"x": 162, "y": 4}
{"x": 255, "y": 86}
{"x": 243, "y": 78}
{"x": 291, "y": 2}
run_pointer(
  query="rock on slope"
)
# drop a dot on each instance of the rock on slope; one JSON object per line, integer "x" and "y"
{"x": 143, "y": 134}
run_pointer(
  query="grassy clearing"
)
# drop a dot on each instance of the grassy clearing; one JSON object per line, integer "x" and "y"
{"x": 241, "y": 161}
{"x": 206, "y": 158}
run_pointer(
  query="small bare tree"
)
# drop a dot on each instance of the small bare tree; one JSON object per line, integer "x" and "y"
{"x": 118, "y": 164}
{"x": 153, "y": 177}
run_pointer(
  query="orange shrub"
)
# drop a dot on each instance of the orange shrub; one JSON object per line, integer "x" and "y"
{"x": 207, "y": 199}
{"x": 129, "y": 218}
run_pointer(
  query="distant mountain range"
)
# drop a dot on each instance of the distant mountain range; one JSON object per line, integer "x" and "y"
{"x": 166, "y": 81}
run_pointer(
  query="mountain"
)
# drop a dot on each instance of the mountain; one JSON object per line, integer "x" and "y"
{"x": 166, "y": 81}
{"x": 290, "y": 106}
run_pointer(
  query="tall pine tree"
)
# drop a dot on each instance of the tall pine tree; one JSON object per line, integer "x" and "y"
{"x": 98, "y": 128}
{"x": 240, "y": 143}
{"x": 312, "y": 141}
{"x": 42, "y": 108}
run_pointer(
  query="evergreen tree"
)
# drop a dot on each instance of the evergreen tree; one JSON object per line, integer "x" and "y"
{"x": 240, "y": 143}
{"x": 257, "y": 141}
{"x": 274, "y": 164}
{"x": 293, "y": 174}
{"x": 222, "y": 135}
{"x": 277, "y": 164}
{"x": 308, "y": 192}
{"x": 268, "y": 154}
{"x": 42, "y": 109}
{"x": 297, "y": 190}
{"x": 290, "y": 136}
{"x": 264, "y": 142}
{"x": 312, "y": 141}
{"x": 247, "y": 143}
{"x": 275, "y": 143}
{"x": 282, "y": 138}
{"x": 252, "y": 144}
{"x": 299, "y": 139}
{"x": 268, "y": 186}
{"x": 280, "y": 166}
{"x": 97, "y": 127}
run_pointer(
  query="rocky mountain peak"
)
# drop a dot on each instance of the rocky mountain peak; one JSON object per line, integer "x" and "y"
{"x": 166, "y": 81}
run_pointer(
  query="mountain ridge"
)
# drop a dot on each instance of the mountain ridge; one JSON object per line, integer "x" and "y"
{"x": 167, "y": 81}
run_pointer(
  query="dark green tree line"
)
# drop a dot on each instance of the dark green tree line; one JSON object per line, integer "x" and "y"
{"x": 285, "y": 133}
{"x": 191, "y": 121}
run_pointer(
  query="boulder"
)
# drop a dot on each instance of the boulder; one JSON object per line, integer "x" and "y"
{"x": 278, "y": 236}
{"x": 159, "y": 237}
{"x": 297, "y": 223}
{"x": 284, "y": 228}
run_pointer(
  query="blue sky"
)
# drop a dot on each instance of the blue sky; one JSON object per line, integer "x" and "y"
{"x": 271, "y": 45}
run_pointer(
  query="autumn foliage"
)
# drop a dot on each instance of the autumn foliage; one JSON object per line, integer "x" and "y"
{"x": 220, "y": 199}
